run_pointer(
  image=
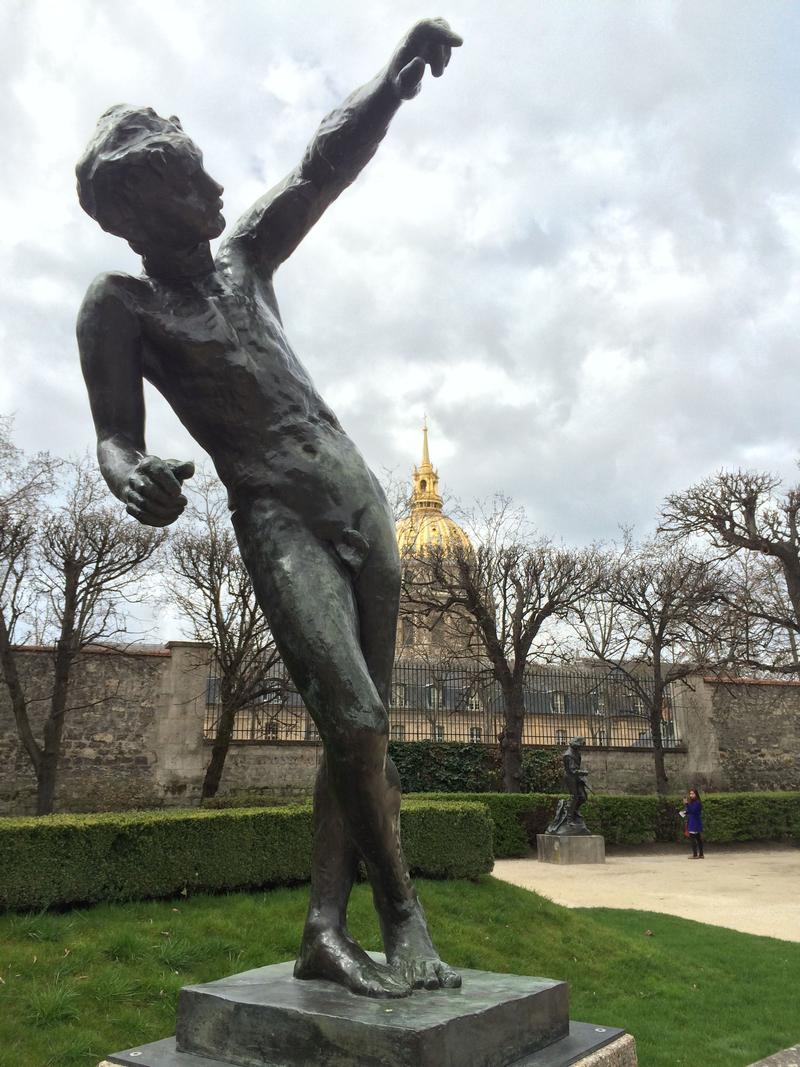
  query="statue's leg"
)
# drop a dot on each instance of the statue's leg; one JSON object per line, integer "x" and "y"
{"x": 407, "y": 941}
{"x": 307, "y": 595}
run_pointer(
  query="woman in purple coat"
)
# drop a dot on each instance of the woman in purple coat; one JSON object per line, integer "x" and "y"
{"x": 694, "y": 823}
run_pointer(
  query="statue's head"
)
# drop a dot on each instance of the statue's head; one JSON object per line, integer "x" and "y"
{"x": 576, "y": 742}
{"x": 143, "y": 179}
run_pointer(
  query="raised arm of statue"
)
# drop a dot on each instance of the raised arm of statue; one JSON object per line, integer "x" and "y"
{"x": 346, "y": 140}
{"x": 110, "y": 346}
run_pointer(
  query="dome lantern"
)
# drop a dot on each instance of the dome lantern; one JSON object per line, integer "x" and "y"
{"x": 427, "y": 526}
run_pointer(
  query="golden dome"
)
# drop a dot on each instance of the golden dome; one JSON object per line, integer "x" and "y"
{"x": 427, "y": 526}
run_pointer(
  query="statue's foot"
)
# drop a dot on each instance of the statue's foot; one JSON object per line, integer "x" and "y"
{"x": 334, "y": 955}
{"x": 411, "y": 953}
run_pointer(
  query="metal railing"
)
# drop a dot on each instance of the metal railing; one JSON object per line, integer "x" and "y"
{"x": 465, "y": 704}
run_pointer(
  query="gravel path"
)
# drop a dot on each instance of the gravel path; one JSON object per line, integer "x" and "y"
{"x": 755, "y": 889}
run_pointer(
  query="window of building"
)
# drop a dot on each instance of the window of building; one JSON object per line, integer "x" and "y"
{"x": 561, "y": 737}
{"x": 475, "y": 734}
{"x": 473, "y": 702}
{"x": 399, "y": 695}
{"x": 558, "y": 702}
{"x": 311, "y": 732}
{"x": 433, "y": 695}
{"x": 271, "y": 731}
{"x": 437, "y": 732}
{"x": 212, "y": 690}
{"x": 398, "y": 732}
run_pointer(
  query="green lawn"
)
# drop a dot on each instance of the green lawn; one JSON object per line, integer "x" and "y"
{"x": 77, "y": 985}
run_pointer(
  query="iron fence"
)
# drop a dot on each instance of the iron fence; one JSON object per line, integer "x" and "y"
{"x": 465, "y": 704}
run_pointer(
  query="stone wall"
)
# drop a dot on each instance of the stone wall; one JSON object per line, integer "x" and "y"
{"x": 129, "y": 733}
{"x": 757, "y": 724}
{"x": 284, "y": 771}
{"x": 631, "y": 770}
{"x": 109, "y": 752}
{"x": 134, "y": 738}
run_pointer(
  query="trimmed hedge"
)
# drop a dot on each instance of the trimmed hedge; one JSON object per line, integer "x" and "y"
{"x": 448, "y": 839}
{"x": 80, "y": 859}
{"x": 751, "y": 816}
{"x": 637, "y": 820}
{"x": 516, "y": 817}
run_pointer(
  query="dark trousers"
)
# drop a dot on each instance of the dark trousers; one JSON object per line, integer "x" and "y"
{"x": 696, "y": 841}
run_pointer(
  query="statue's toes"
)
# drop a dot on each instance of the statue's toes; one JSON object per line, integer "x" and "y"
{"x": 429, "y": 977}
{"x": 448, "y": 978}
{"x": 432, "y": 974}
{"x": 387, "y": 985}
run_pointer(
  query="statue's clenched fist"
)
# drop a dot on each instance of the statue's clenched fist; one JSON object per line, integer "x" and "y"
{"x": 428, "y": 42}
{"x": 153, "y": 490}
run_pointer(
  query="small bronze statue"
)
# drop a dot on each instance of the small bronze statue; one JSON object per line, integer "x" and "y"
{"x": 567, "y": 820}
{"x": 312, "y": 522}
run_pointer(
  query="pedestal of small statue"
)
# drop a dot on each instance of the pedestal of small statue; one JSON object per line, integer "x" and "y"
{"x": 571, "y": 848}
{"x": 266, "y": 1018}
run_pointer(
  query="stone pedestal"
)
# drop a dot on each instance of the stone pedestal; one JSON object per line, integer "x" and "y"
{"x": 266, "y": 1018}
{"x": 561, "y": 848}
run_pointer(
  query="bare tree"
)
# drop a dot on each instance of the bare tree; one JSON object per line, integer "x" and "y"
{"x": 24, "y": 481}
{"x": 740, "y": 514}
{"x": 658, "y": 620}
{"x": 512, "y": 588}
{"x": 212, "y": 589}
{"x": 65, "y": 581}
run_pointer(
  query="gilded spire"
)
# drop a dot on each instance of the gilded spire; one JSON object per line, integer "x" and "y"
{"x": 426, "y": 459}
{"x": 427, "y": 526}
{"x": 425, "y": 494}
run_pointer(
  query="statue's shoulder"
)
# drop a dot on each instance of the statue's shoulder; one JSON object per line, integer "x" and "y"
{"x": 114, "y": 288}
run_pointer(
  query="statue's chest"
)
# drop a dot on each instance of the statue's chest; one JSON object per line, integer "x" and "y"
{"x": 197, "y": 326}
{"x": 196, "y": 332}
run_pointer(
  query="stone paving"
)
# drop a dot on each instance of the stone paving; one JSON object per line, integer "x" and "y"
{"x": 752, "y": 888}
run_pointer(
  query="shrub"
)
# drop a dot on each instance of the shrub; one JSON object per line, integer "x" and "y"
{"x": 451, "y": 838}
{"x": 450, "y": 767}
{"x": 542, "y": 770}
{"x": 751, "y": 816}
{"x": 624, "y": 820}
{"x": 519, "y": 817}
{"x": 71, "y": 859}
{"x": 516, "y": 817}
{"x": 446, "y": 767}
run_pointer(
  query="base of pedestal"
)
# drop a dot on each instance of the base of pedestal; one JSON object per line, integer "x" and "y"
{"x": 585, "y": 1046}
{"x": 267, "y": 1018}
{"x": 561, "y": 848}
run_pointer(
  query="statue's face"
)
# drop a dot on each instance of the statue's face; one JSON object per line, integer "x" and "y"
{"x": 172, "y": 198}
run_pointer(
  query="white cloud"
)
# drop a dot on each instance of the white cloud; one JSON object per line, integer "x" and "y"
{"x": 579, "y": 250}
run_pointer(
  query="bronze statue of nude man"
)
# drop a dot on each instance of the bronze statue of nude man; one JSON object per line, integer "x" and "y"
{"x": 312, "y": 522}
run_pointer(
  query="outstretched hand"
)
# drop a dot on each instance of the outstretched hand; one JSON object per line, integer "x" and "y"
{"x": 427, "y": 43}
{"x": 153, "y": 492}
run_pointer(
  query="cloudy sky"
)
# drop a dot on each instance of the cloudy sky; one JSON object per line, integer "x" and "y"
{"x": 578, "y": 251}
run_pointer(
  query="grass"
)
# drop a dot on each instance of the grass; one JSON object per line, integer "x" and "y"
{"x": 77, "y": 985}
